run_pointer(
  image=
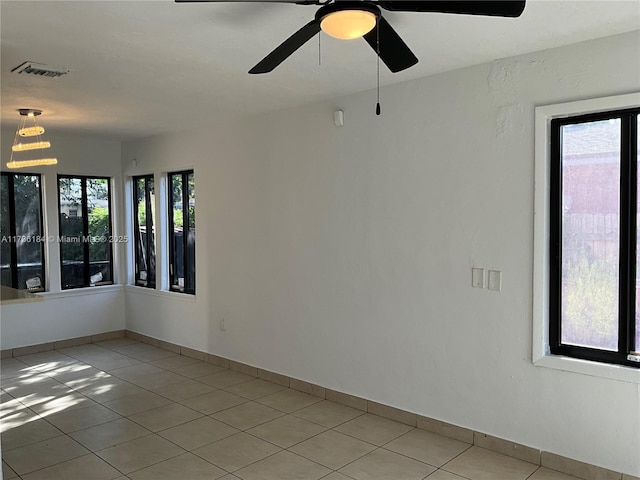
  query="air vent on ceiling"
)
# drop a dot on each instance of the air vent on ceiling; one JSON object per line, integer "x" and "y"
{"x": 40, "y": 69}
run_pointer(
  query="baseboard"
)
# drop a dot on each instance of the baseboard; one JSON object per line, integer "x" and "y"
{"x": 529, "y": 454}
{"x": 57, "y": 345}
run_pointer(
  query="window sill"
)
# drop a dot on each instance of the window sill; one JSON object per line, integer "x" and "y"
{"x": 594, "y": 369}
{"x": 12, "y": 296}
{"x": 77, "y": 292}
{"x": 160, "y": 293}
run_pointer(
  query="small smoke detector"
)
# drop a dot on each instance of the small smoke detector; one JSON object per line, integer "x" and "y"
{"x": 40, "y": 69}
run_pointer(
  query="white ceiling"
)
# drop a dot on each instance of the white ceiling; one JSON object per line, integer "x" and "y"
{"x": 140, "y": 68}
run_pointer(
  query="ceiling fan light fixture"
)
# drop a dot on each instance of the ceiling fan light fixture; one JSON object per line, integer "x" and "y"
{"x": 348, "y": 24}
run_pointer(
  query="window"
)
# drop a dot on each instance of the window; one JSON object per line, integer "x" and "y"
{"x": 594, "y": 245}
{"x": 144, "y": 233}
{"x": 182, "y": 232}
{"x": 86, "y": 257}
{"x": 21, "y": 232}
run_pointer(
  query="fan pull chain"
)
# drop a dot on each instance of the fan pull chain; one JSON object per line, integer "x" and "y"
{"x": 320, "y": 50}
{"x": 378, "y": 111}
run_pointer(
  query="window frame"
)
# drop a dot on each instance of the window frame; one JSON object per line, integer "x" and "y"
{"x": 187, "y": 289}
{"x": 626, "y": 238}
{"x": 541, "y": 356}
{"x": 85, "y": 231}
{"x": 150, "y": 245}
{"x": 13, "y": 261}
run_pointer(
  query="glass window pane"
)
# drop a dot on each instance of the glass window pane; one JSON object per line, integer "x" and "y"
{"x": 141, "y": 232}
{"x": 99, "y": 230}
{"x": 150, "y": 227}
{"x": 177, "y": 260}
{"x": 71, "y": 232}
{"x": 637, "y": 344}
{"x": 144, "y": 203}
{"x": 5, "y": 233}
{"x": 590, "y": 229}
{"x": 191, "y": 239}
{"x": 28, "y": 231}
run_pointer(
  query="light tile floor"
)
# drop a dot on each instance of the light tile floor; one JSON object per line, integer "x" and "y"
{"x": 121, "y": 410}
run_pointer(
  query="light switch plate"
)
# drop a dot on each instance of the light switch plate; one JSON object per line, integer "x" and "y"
{"x": 495, "y": 280}
{"x": 477, "y": 277}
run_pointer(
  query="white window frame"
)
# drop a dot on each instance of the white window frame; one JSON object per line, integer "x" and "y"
{"x": 541, "y": 355}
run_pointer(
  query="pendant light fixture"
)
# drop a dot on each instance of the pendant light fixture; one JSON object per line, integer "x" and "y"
{"x": 29, "y": 130}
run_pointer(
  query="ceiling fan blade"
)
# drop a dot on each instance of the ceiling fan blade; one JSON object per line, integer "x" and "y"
{"x": 393, "y": 51}
{"x": 299, "y": 2}
{"x": 497, "y": 8}
{"x": 286, "y": 48}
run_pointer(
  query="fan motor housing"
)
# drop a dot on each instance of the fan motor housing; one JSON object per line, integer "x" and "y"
{"x": 340, "y": 6}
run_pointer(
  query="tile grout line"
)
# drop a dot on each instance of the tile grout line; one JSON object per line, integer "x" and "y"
{"x": 53, "y": 464}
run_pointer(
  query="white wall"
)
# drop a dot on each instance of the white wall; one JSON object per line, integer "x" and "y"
{"x": 62, "y": 316}
{"x": 226, "y": 215}
{"x": 72, "y": 313}
{"x": 342, "y": 256}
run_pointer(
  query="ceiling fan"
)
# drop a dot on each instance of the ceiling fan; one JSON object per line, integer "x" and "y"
{"x": 350, "y": 19}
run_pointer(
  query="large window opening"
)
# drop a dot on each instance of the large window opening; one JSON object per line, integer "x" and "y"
{"x": 182, "y": 232}
{"x": 594, "y": 245}
{"x": 144, "y": 233}
{"x": 21, "y": 232}
{"x": 86, "y": 257}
